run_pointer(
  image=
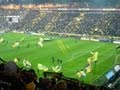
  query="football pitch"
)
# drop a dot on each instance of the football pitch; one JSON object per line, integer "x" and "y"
{"x": 73, "y": 53}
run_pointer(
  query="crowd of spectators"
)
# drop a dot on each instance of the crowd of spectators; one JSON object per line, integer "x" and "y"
{"x": 98, "y": 23}
{"x": 93, "y": 23}
{"x": 70, "y": 3}
{"x": 14, "y": 78}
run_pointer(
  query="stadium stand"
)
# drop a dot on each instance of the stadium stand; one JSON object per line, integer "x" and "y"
{"x": 93, "y": 23}
{"x": 72, "y": 22}
{"x": 16, "y": 78}
{"x": 70, "y": 3}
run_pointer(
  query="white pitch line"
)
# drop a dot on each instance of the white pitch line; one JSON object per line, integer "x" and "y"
{"x": 102, "y": 74}
{"x": 69, "y": 69}
{"x": 90, "y": 50}
{"x": 117, "y": 58}
{"x": 104, "y": 59}
{"x": 84, "y": 54}
{"x": 80, "y": 56}
{"x": 97, "y": 63}
{"x": 105, "y": 71}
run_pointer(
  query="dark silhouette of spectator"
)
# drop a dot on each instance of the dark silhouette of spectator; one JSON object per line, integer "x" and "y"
{"x": 46, "y": 84}
{"x": 2, "y": 67}
{"x": 60, "y": 85}
{"x": 53, "y": 81}
{"x": 28, "y": 79}
{"x": 39, "y": 85}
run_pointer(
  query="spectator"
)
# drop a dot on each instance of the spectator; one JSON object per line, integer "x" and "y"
{"x": 60, "y": 85}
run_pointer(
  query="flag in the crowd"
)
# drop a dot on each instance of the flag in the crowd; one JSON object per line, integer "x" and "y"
{"x": 26, "y": 63}
{"x": 88, "y": 68}
{"x": 56, "y": 68}
{"x": 1, "y": 40}
{"x": 42, "y": 67}
{"x": 40, "y": 43}
{"x": 41, "y": 39}
{"x": 81, "y": 74}
{"x": 16, "y": 60}
{"x": 89, "y": 60}
{"x": 94, "y": 56}
{"x": 15, "y": 44}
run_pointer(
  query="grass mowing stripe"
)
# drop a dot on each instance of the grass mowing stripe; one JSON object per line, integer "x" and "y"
{"x": 75, "y": 57}
{"x": 103, "y": 59}
{"x": 102, "y": 74}
{"x": 105, "y": 71}
{"x": 80, "y": 55}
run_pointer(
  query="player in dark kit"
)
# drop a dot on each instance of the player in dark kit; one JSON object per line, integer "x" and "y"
{"x": 53, "y": 60}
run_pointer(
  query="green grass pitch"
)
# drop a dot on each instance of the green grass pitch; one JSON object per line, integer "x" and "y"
{"x": 73, "y": 52}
